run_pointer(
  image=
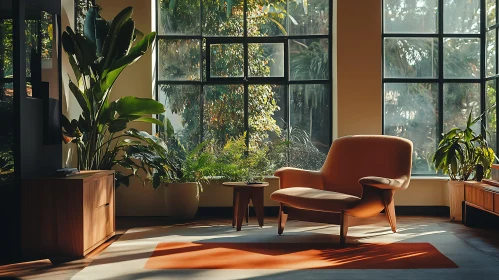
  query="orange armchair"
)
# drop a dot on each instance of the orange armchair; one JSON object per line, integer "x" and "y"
{"x": 358, "y": 178}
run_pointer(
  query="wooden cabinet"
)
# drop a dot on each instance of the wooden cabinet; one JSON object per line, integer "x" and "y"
{"x": 482, "y": 195}
{"x": 67, "y": 216}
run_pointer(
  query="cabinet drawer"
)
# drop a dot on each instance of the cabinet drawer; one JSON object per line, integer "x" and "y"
{"x": 480, "y": 197}
{"x": 99, "y": 192}
{"x": 98, "y": 210}
{"x": 496, "y": 203}
{"x": 99, "y": 227}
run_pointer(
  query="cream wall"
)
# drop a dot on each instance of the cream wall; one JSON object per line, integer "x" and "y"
{"x": 356, "y": 92}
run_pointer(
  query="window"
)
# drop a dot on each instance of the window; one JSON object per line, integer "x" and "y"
{"x": 260, "y": 67}
{"x": 439, "y": 64}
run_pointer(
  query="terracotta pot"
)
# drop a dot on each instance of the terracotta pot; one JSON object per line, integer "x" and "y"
{"x": 456, "y": 198}
{"x": 181, "y": 200}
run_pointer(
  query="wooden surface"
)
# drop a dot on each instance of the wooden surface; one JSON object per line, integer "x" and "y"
{"x": 67, "y": 216}
{"x": 456, "y": 193}
{"x": 245, "y": 185}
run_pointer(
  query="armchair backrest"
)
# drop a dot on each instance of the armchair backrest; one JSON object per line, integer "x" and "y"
{"x": 353, "y": 157}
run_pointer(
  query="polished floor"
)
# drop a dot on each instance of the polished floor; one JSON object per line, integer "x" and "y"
{"x": 485, "y": 241}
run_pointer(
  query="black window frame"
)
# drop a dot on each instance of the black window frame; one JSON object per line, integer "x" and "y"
{"x": 440, "y": 35}
{"x": 246, "y": 81}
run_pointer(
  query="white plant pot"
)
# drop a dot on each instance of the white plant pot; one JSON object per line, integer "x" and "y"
{"x": 181, "y": 200}
{"x": 456, "y": 198}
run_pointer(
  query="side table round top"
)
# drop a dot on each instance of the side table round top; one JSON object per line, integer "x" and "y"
{"x": 245, "y": 185}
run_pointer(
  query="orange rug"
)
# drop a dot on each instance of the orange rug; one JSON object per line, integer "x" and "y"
{"x": 186, "y": 255}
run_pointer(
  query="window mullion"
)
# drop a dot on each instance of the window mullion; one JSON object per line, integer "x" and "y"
{"x": 440, "y": 70}
{"x": 245, "y": 71}
{"x": 483, "y": 47}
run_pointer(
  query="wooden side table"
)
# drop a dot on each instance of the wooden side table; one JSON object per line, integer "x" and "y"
{"x": 242, "y": 195}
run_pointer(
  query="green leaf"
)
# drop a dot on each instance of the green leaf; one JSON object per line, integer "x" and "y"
{"x": 149, "y": 120}
{"x": 89, "y": 27}
{"x": 110, "y": 75}
{"x": 76, "y": 69}
{"x": 120, "y": 45}
{"x": 110, "y": 41}
{"x": 81, "y": 98}
{"x": 117, "y": 125}
{"x": 131, "y": 105}
{"x": 67, "y": 43}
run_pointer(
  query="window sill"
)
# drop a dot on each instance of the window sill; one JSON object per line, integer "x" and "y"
{"x": 432, "y": 178}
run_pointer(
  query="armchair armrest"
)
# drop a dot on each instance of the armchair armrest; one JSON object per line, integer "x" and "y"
{"x": 294, "y": 177}
{"x": 385, "y": 183}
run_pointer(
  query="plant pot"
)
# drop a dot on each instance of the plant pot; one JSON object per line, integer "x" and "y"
{"x": 456, "y": 198}
{"x": 181, "y": 200}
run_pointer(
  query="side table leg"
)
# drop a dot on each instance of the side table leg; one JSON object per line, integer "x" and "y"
{"x": 257, "y": 198}
{"x": 247, "y": 214}
{"x": 243, "y": 198}
{"x": 234, "y": 207}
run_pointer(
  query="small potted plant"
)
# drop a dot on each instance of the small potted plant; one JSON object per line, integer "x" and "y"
{"x": 463, "y": 155}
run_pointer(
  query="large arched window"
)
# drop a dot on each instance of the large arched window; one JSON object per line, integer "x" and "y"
{"x": 439, "y": 64}
{"x": 260, "y": 67}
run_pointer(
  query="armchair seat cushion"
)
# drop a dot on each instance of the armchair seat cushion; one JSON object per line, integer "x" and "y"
{"x": 315, "y": 199}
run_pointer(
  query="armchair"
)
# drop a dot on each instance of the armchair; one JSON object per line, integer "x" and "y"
{"x": 358, "y": 179}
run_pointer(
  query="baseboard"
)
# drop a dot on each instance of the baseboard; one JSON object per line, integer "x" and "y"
{"x": 434, "y": 211}
{"x": 224, "y": 211}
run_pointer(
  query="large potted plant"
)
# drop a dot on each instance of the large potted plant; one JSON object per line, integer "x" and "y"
{"x": 463, "y": 155}
{"x": 182, "y": 193}
{"x": 101, "y": 132}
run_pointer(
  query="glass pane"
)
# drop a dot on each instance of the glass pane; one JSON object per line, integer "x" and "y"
{"x": 33, "y": 69}
{"x": 310, "y": 129}
{"x": 461, "y": 16}
{"x": 179, "y": 17}
{"x": 223, "y": 112}
{"x": 411, "y": 16}
{"x": 461, "y": 58}
{"x": 411, "y": 57}
{"x": 267, "y": 124}
{"x": 266, "y": 60}
{"x": 183, "y": 109}
{"x": 411, "y": 112}
{"x": 491, "y": 12}
{"x": 6, "y": 54}
{"x": 266, "y": 18}
{"x": 459, "y": 101}
{"x": 309, "y": 59}
{"x": 491, "y": 52}
{"x": 308, "y": 17}
{"x": 6, "y": 133}
{"x": 223, "y": 18}
{"x": 490, "y": 106}
{"x": 226, "y": 60}
{"x": 179, "y": 59}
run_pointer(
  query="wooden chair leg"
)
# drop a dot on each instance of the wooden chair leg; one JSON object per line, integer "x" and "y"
{"x": 343, "y": 228}
{"x": 390, "y": 209}
{"x": 282, "y": 220}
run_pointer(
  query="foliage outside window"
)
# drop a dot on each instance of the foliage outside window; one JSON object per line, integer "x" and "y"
{"x": 259, "y": 68}
{"x": 440, "y": 60}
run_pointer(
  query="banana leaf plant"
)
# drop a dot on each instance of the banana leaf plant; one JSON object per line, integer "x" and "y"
{"x": 103, "y": 141}
{"x": 462, "y": 152}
